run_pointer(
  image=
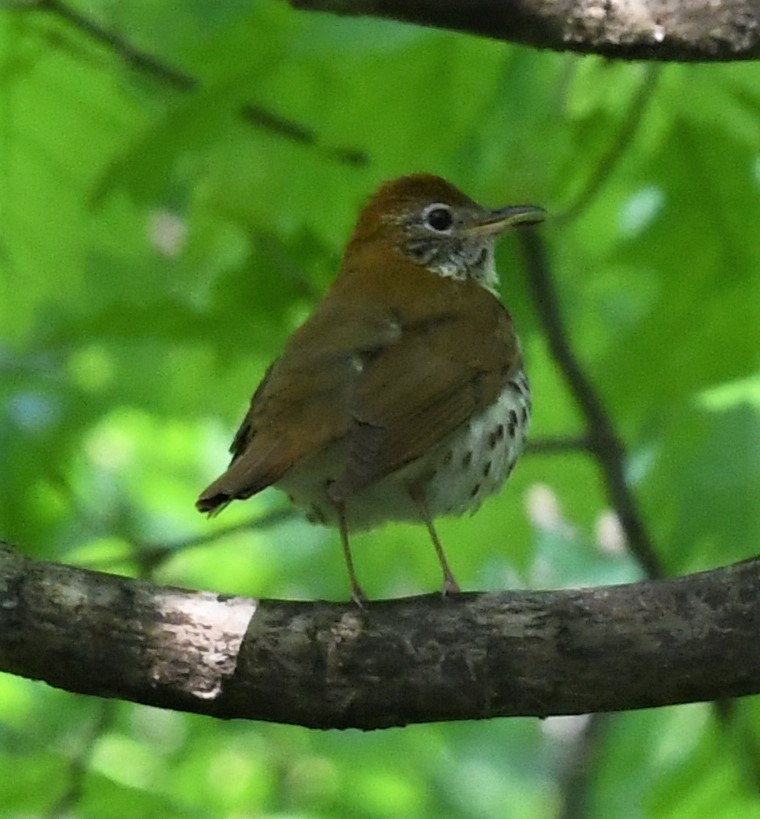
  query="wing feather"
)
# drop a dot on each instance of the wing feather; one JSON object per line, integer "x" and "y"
{"x": 418, "y": 392}
{"x": 302, "y": 404}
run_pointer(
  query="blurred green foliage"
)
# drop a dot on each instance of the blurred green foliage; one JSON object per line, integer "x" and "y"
{"x": 156, "y": 248}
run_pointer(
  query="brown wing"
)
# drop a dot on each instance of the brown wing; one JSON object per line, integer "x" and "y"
{"x": 394, "y": 365}
{"x": 303, "y": 403}
{"x": 446, "y": 367}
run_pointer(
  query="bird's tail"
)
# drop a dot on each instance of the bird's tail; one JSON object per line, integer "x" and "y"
{"x": 248, "y": 474}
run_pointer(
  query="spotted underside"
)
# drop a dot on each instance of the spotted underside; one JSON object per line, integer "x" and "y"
{"x": 457, "y": 476}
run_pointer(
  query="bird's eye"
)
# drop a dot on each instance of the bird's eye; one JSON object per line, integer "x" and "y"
{"x": 438, "y": 218}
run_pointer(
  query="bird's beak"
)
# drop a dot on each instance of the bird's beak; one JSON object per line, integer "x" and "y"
{"x": 497, "y": 221}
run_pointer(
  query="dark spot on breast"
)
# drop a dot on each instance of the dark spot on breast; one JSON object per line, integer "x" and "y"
{"x": 487, "y": 470}
{"x": 521, "y": 386}
{"x": 475, "y": 490}
{"x": 492, "y": 439}
{"x": 524, "y": 414}
{"x": 500, "y": 432}
{"x": 467, "y": 460}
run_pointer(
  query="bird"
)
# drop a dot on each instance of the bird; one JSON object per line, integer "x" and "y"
{"x": 403, "y": 396}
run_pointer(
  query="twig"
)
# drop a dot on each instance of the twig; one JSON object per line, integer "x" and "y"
{"x": 616, "y": 150}
{"x": 256, "y": 115}
{"x": 150, "y": 556}
{"x": 582, "y": 761}
{"x": 79, "y": 765}
{"x": 114, "y": 42}
{"x": 602, "y": 438}
{"x": 575, "y": 784}
{"x": 552, "y": 446}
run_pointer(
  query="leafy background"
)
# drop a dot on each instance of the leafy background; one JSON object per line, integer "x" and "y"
{"x": 156, "y": 248}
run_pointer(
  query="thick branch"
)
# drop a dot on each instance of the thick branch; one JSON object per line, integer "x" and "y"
{"x": 681, "y": 30}
{"x": 397, "y": 661}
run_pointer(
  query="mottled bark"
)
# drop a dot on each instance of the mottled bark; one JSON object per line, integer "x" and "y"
{"x": 681, "y": 30}
{"x": 417, "y": 659}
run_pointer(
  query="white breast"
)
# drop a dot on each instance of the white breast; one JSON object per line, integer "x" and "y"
{"x": 457, "y": 475}
{"x": 479, "y": 458}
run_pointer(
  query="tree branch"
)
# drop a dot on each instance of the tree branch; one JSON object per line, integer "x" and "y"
{"x": 679, "y": 30}
{"x": 170, "y": 76}
{"x": 602, "y": 439}
{"x": 558, "y": 444}
{"x": 416, "y": 659}
{"x": 79, "y": 763}
{"x": 150, "y": 555}
{"x": 605, "y": 165}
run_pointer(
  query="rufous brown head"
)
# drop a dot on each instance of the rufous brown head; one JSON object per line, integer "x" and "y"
{"x": 436, "y": 226}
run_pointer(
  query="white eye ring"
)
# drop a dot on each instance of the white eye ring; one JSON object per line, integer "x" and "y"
{"x": 438, "y": 217}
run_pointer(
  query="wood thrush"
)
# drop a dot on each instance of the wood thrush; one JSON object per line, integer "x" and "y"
{"x": 403, "y": 396}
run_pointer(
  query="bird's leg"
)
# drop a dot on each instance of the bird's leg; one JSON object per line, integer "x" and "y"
{"x": 357, "y": 595}
{"x": 450, "y": 585}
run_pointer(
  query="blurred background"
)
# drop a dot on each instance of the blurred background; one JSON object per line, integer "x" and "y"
{"x": 177, "y": 181}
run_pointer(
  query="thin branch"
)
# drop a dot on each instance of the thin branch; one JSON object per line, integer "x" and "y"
{"x": 580, "y": 764}
{"x": 605, "y": 165}
{"x": 422, "y": 659}
{"x": 558, "y": 445}
{"x": 150, "y": 556}
{"x": 168, "y": 75}
{"x": 80, "y": 764}
{"x": 663, "y": 30}
{"x": 130, "y": 54}
{"x": 602, "y": 437}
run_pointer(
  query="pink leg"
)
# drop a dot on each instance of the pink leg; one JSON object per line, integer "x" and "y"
{"x": 357, "y": 595}
{"x": 450, "y": 585}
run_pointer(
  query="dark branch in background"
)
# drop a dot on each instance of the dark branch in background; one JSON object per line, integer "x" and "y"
{"x": 580, "y": 764}
{"x": 560, "y": 444}
{"x": 256, "y": 115}
{"x": 602, "y": 437}
{"x": 150, "y": 556}
{"x": 664, "y": 30}
{"x": 328, "y": 665}
{"x": 79, "y": 764}
{"x": 605, "y": 165}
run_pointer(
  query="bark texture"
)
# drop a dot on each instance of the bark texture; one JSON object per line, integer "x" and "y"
{"x": 421, "y": 659}
{"x": 680, "y": 30}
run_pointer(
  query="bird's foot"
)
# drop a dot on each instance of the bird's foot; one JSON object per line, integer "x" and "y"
{"x": 358, "y": 596}
{"x": 450, "y": 586}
